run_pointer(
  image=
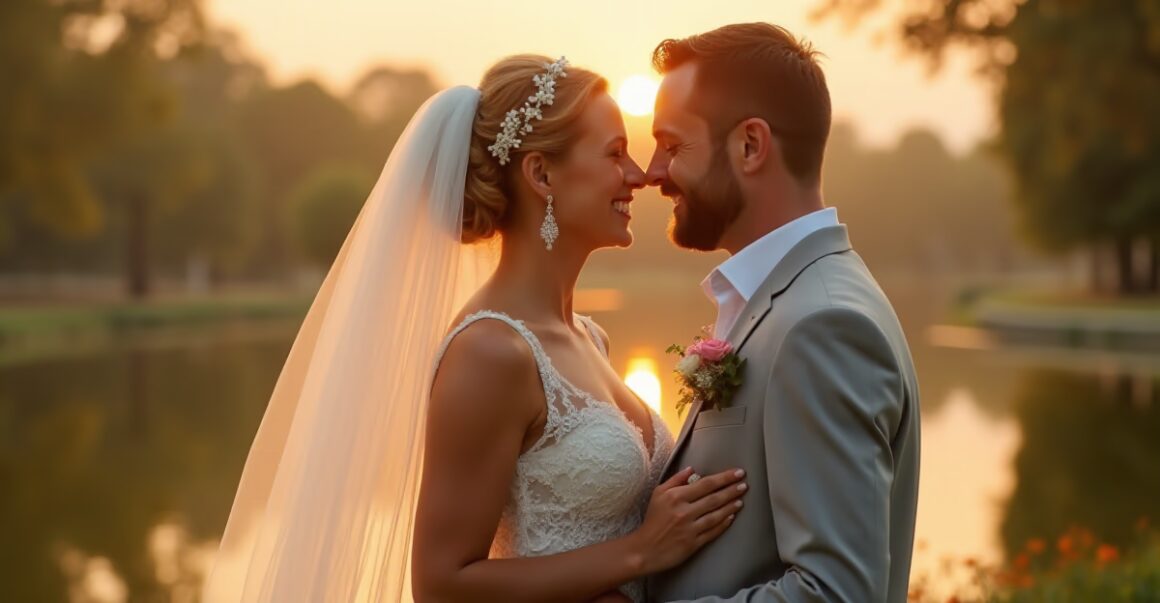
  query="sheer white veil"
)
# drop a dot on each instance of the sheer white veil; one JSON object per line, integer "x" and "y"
{"x": 326, "y": 502}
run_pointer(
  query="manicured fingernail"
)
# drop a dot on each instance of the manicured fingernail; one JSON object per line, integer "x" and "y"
{"x": 730, "y": 518}
{"x": 739, "y": 473}
{"x": 742, "y": 487}
{"x": 738, "y": 504}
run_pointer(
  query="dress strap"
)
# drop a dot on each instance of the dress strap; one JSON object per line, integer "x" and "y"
{"x": 561, "y": 411}
{"x": 593, "y": 333}
{"x": 543, "y": 363}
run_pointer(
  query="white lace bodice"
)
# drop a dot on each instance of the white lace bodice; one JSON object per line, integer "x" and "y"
{"x": 588, "y": 478}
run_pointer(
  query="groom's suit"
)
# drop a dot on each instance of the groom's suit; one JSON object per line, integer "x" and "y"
{"x": 826, "y": 425}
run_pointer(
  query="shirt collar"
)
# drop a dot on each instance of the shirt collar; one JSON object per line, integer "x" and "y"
{"x": 747, "y": 269}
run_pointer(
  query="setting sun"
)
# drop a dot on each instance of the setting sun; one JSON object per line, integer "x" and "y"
{"x": 637, "y": 94}
{"x": 642, "y": 379}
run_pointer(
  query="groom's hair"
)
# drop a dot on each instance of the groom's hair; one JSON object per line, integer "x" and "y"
{"x": 758, "y": 70}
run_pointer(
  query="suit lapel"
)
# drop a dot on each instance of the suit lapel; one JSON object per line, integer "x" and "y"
{"x": 819, "y": 244}
{"x": 685, "y": 429}
{"x": 827, "y": 241}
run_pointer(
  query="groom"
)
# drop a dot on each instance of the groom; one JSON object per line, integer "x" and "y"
{"x": 826, "y": 422}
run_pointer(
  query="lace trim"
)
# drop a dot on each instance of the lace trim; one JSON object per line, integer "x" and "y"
{"x": 581, "y": 482}
{"x": 558, "y": 424}
{"x": 594, "y": 334}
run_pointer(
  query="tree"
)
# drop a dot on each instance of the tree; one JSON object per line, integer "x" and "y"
{"x": 217, "y": 225}
{"x": 385, "y": 98}
{"x": 919, "y": 208}
{"x": 88, "y": 87}
{"x": 325, "y": 207}
{"x": 291, "y": 131}
{"x": 1078, "y": 84}
{"x": 192, "y": 168}
{"x": 1104, "y": 484}
{"x": 50, "y": 120}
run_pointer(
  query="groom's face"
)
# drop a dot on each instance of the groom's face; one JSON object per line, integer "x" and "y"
{"x": 691, "y": 166}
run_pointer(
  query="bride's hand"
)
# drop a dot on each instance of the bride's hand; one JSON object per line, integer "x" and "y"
{"x": 684, "y": 517}
{"x": 611, "y": 597}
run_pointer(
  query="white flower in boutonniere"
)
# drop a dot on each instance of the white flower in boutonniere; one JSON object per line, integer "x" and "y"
{"x": 687, "y": 366}
{"x": 709, "y": 371}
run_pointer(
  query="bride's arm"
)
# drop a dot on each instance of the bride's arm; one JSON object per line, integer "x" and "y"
{"x": 484, "y": 400}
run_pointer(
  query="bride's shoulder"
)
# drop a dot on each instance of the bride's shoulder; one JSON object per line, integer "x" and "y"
{"x": 490, "y": 343}
{"x": 486, "y": 385}
{"x": 484, "y": 358}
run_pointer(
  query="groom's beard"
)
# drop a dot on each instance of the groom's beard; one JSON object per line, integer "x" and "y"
{"x": 710, "y": 207}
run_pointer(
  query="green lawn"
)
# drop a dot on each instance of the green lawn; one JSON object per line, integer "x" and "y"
{"x": 1059, "y": 300}
{"x": 25, "y": 322}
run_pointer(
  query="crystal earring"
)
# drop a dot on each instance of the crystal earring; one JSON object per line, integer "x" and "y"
{"x": 549, "y": 231}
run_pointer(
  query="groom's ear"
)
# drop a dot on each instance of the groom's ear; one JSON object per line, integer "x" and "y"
{"x": 757, "y": 144}
{"x": 535, "y": 170}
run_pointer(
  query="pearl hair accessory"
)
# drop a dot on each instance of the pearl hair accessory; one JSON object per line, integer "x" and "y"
{"x": 518, "y": 122}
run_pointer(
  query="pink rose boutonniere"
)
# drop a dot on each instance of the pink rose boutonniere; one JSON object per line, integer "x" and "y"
{"x": 708, "y": 371}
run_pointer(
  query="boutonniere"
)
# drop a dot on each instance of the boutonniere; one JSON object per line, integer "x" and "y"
{"x": 709, "y": 371}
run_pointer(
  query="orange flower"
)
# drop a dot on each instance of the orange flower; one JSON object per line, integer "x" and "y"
{"x": 1065, "y": 544}
{"x": 1142, "y": 524}
{"x": 1086, "y": 539}
{"x": 1107, "y": 553}
{"x": 1022, "y": 562}
{"x": 1036, "y": 546}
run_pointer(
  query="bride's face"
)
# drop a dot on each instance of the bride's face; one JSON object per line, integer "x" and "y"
{"x": 594, "y": 183}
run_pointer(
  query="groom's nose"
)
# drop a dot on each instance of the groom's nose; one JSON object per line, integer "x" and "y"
{"x": 658, "y": 168}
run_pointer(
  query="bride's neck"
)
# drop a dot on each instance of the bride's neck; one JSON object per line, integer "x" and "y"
{"x": 538, "y": 282}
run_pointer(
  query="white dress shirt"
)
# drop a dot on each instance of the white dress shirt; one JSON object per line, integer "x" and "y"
{"x": 731, "y": 285}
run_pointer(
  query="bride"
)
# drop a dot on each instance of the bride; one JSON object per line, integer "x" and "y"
{"x": 500, "y": 460}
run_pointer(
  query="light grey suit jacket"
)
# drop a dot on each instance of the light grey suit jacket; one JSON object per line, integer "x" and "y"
{"x": 826, "y": 425}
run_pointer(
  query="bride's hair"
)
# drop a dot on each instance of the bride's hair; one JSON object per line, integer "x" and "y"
{"x": 507, "y": 86}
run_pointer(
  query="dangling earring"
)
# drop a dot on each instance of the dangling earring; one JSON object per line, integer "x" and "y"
{"x": 549, "y": 231}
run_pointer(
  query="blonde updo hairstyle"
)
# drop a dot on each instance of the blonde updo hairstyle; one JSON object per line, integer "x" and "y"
{"x": 506, "y": 86}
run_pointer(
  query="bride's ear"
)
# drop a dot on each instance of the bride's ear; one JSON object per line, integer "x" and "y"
{"x": 757, "y": 145}
{"x": 535, "y": 170}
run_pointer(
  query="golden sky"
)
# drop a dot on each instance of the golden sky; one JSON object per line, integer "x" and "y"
{"x": 872, "y": 84}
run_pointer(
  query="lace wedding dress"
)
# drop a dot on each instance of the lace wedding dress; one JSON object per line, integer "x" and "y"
{"x": 588, "y": 478}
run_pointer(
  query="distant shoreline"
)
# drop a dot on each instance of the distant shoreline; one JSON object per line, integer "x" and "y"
{"x": 1068, "y": 320}
{"x": 35, "y": 331}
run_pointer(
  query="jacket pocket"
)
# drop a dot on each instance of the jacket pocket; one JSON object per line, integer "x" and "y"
{"x": 731, "y": 415}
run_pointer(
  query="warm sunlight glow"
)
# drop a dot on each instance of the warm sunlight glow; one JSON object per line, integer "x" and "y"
{"x": 637, "y": 94}
{"x": 597, "y": 300}
{"x": 642, "y": 379}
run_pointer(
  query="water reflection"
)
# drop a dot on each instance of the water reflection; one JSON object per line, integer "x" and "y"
{"x": 97, "y": 452}
{"x": 1090, "y": 457}
{"x": 966, "y": 476}
{"x": 118, "y": 468}
{"x": 91, "y": 579}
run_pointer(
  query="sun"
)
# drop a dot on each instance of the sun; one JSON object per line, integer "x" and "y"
{"x": 637, "y": 94}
